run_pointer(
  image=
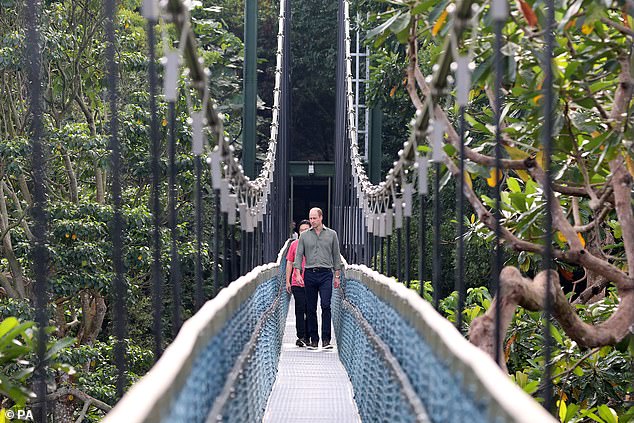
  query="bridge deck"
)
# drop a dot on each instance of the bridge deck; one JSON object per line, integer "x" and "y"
{"x": 311, "y": 386}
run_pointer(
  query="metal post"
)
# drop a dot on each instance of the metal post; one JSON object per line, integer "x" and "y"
{"x": 250, "y": 86}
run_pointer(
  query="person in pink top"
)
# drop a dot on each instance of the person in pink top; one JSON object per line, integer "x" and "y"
{"x": 297, "y": 288}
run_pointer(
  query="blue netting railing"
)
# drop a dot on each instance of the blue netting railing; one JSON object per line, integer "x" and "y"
{"x": 409, "y": 364}
{"x": 222, "y": 364}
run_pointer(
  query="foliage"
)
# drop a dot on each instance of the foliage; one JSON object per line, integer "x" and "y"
{"x": 592, "y": 132}
{"x": 18, "y": 342}
{"x": 477, "y": 249}
{"x": 587, "y": 384}
{"x": 79, "y": 207}
{"x": 314, "y": 62}
{"x": 100, "y": 381}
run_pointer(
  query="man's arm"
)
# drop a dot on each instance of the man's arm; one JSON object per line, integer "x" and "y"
{"x": 299, "y": 254}
{"x": 336, "y": 259}
{"x": 336, "y": 254}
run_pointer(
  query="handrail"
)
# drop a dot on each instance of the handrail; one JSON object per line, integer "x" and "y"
{"x": 150, "y": 398}
{"x": 504, "y": 400}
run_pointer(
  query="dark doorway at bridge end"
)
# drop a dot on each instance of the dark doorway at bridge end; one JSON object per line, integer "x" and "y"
{"x": 311, "y": 185}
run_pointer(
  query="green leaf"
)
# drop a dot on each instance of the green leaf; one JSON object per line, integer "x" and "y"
{"x": 563, "y": 410}
{"x": 572, "y": 411}
{"x": 555, "y": 333}
{"x": 423, "y": 6}
{"x": 450, "y": 150}
{"x": 58, "y": 346}
{"x": 518, "y": 200}
{"x": 589, "y": 413}
{"x": 8, "y": 324}
{"x": 513, "y": 185}
{"x": 482, "y": 71}
{"x": 570, "y": 12}
{"x": 401, "y": 23}
{"x": 531, "y": 387}
{"x": 607, "y": 414}
{"x": 383, "y": 27}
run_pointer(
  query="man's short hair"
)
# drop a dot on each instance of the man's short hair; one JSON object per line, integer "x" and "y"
{"x": 304, "y": 222}
{"x": 318, "y": 210}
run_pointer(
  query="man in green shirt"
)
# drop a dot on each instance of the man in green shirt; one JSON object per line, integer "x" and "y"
{"x": 320, "y": 246}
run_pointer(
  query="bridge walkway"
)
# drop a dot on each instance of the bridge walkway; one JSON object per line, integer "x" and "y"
{"x": 311, "y": 386}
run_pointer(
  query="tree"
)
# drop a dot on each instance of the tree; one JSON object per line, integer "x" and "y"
{"x": 592, "y": 164}
{"x": 75, "y": 120}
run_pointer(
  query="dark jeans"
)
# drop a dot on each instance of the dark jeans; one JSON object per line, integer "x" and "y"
{"x": 318, "y": 283}
{"x": 299, "y": 293}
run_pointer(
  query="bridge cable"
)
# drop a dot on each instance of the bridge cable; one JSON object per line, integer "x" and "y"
{"x": 198, "y": 213}
{"x": 408, "y": 254}
{"x": 120, "y": 297}
{"x": 547, "y": 388}
{"x": 499, "y": 11}
{"x": 436, "y": 258}
{"x": 39, "y": 253}
{"x": 460, "y": 286}
{"x": 388, "y": 261}
{"x": 399, "y": 247}
{"x": 216, "y": 243}
{"x": 234, "y": 256}
{"x": 462, "y": 67}
{"x": 228, "y": 177}
{"x": 150, "y": 12}
{"x": 422, "y": 241}
{"x": 225, "y": 248}
{"x": 175, "y": 271}
{"x": 381, "y": 255}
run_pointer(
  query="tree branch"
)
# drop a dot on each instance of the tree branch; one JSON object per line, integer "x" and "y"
{"x": 8, "y": 288}
{"x": 585, "y": 228}
{"x": 18, "y": 207}
{"x": 581, "y": 360}
{"x": 559, "y": 220}
{"x": 621, "y": 28}
{"x": 622, "y": 185}
{"x": 78, "y": 394}
{"x": 531, "y": 295}
{"x": 581, "y": 257}
{"x": 412, "y": 54}
{"x": 591, "y": 291}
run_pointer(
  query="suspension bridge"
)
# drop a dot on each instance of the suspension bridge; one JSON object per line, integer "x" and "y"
{"x": 395, "y": 358}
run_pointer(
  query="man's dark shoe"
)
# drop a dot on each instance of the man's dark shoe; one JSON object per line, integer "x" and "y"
{"x": 327, "y": 346}
{"x": 313, "y": 345}
{"x": 300, "y": 342}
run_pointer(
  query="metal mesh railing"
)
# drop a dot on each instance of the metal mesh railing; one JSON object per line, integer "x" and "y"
{"x": 408, "y": 363}
{"x": 222, "y": 365}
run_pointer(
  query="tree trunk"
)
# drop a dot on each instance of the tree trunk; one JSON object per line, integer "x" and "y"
{"x": 72, "y": 179}
{"x": 60, "y": 318}
{"x": 14, "y": 264}
{"x": 24, "y": 188}
{"x": 93, "y": 311}
{"x": 99, "y": 176}
{"x": 18, "y": 207}
{"x": 9, "y": 290}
